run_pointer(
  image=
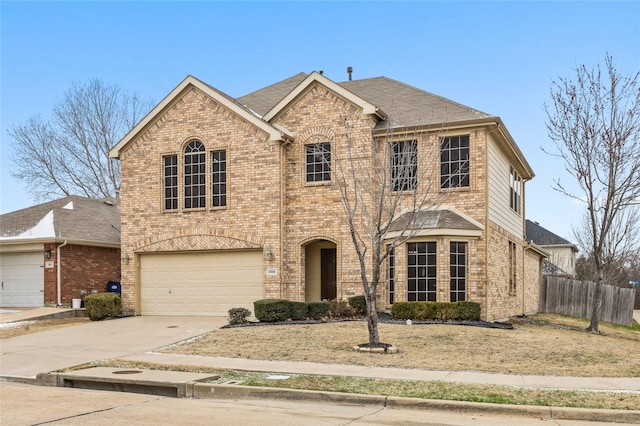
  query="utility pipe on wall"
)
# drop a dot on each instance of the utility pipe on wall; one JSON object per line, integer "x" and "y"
{"x": 59, "y": 268}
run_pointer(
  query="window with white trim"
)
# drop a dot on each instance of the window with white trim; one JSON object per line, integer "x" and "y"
{"x": 458, "y": 271}
{"x": 318, "y": 162}
{"x": 454, "y": 161}
{"x": 218, "y": 178}
{"x": 194, "y": 175}
{"x": 404, "y": 165}
{"x": 515, "y": 191}
{"x": 170, "y": 164}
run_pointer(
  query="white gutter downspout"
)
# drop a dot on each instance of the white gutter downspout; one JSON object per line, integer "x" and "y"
{"x": 59, "y": 267}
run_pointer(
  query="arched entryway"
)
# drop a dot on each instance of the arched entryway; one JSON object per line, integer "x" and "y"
{"x": 320, "y": 270}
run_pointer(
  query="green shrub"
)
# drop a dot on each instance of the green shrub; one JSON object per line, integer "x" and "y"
{"x": 318, "y": 310}
{"x": 299, "y": 311}
{"x": 359, "y": 303}
{"x": 442, "y": 311}
{"x": 469, "y": 311}
{"x": 272, "y": 310}
{"x": 403, "y": 310}
{"x": 341, "y": 309}
{"x": 238, "y": 315}
{"x": 102, "y": 305}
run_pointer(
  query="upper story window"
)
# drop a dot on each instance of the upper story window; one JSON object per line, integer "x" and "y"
{"x": 454, "y": 161}
{"x": 318, "y": 162}
{"x": 191, "y": 168}
{"x": 170, "y": 163}
{"x": 515, "y": 191}
{"x": 404, "y": 165}
{"x": 194, "y": 175}
{"x": 218, "y": 178}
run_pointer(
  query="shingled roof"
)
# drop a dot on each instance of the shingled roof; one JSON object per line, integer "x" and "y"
{"x": 405, "y": 105}
{"x": 408, "y": 106}
{"x": 77, "y": 219}
{"x": 543, "y": 237}
{"x": 432, "y": 219}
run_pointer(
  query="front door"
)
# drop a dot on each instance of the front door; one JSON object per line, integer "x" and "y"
{"x": 328, "y": 274}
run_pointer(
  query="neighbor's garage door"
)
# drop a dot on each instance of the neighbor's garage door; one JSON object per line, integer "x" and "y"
{"x": 22, "y": 276}
{"x": 199, "y": 283}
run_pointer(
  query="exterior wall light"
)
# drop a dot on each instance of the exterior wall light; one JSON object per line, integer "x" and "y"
{"x": 268, "y": 254}
{"x": 47, "y": 254}
{"x": 126, "y": 259}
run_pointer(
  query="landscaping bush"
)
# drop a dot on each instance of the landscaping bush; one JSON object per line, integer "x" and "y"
{"x": 359, "y": 303}
{"x": 442, "y": 311}
{"x": 318, "y": 310}
{"x": 238, "y": 316}
{"x": 272, "y": 310}
{"x": 299, "y": 311}
{"x": 102, "y": 305}
{"x": 341, "y": 309}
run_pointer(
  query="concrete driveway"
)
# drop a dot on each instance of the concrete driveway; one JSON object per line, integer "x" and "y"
{"x": 26, "y": 356}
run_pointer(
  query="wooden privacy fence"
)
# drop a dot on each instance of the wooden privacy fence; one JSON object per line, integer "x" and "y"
{"x": 575, "y": 298}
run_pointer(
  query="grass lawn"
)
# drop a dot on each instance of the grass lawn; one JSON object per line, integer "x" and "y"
{"x": 543, "y": 344}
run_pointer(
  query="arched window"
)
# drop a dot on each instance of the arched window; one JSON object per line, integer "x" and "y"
{"x": 194, "y": 175}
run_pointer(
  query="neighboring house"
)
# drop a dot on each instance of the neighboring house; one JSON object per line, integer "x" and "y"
{"x": 226, "y": 201}
{"x": 58, "y": 251}
{"x": 562, "y": 253}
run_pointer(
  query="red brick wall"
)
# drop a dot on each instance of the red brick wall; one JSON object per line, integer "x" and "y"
{"x": 84, "y": 268}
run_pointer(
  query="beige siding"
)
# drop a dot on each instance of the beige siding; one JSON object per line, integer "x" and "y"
{"x": 499, "y": 210}
{"x": 563, "y": 257}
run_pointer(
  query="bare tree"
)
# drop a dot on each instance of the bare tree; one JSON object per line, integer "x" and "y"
{"x": 386, "y": 186}
{"x": 68, "y": 154}
{"x": 594, "y": 121}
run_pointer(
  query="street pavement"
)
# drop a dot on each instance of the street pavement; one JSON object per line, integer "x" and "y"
{"x": 23, "y": 358}
{"x": 22, "y": 405}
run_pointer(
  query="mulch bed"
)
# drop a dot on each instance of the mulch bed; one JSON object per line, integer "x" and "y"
{"x": 383, "y": 317}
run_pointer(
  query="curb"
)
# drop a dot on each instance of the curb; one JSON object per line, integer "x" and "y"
{"x": 200, "y": 390}
{"x": 228, "y": 391}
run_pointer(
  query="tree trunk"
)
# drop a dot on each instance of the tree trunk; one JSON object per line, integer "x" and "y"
{"x": 597, "y": 304}
{"x": 372, "y": 317}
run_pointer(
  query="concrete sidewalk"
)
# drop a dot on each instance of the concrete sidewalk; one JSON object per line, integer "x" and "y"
{"x": 8, "y": 315}
{"x": 616, "y": 384}
{"x": 136, "y": 338}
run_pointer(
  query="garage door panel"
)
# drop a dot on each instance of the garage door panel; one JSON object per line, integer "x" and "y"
{"x": 199, "y": 283}
{"x": 22, "y": 279}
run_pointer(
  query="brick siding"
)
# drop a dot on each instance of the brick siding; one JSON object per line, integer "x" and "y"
{"x": 84, "y": 269}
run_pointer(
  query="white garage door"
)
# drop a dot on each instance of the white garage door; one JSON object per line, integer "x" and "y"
{"x": 199, "y": 283}
{"x": 22, "y": 276}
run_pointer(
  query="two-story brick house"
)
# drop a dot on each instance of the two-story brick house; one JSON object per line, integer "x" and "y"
{"x": 226, "y": 201}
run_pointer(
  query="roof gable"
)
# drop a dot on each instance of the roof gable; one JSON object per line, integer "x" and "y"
{"x": 228, "y": 102}
{"x": 317, "y": 78}
{"x": 73, "y": 218}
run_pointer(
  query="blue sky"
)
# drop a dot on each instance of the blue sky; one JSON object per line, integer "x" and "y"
{"x": 498, "y": 57}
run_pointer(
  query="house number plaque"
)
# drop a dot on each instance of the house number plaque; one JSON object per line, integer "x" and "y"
{"x": 272, "y": 272}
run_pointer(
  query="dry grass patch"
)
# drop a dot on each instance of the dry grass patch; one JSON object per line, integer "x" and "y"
{"x": 405, "y": 388}
{"x": 34, "y": 326}
{"x": 539, "y": 345}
